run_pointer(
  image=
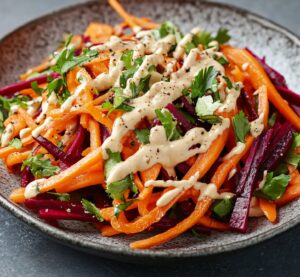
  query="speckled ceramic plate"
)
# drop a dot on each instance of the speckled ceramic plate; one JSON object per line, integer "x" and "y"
{"x": 29, "y": 44}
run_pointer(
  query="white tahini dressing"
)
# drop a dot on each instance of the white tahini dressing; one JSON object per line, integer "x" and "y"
{"x": 257, "y": 126}
{"x": 7, "y": 135}
{"x": 167, "y": 153}
{"x": 209, "y": 190}
{"x": 238, "y": 149}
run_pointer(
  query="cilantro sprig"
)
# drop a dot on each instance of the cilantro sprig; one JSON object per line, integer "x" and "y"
{"x": 117, "y": 189}
{"x": 169, "y": 124}
{"x": 121, "y": 207}
{"x": 16, "y": 143}
{"x": 205, "y": 38}
{"x": 274, "y": 187}
{"x": 143, "y": 135}
{"x": 241, "y": 126}
{"x": 39, "y": 166}
{"x": 65, "y": 61}
{"x": 204, "y": 81}
{"x": 92, "y": 209}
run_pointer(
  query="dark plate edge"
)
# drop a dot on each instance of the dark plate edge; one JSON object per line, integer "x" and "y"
{"x": 146, "y": 256}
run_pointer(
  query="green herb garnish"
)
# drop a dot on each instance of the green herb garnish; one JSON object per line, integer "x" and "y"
{"x": 241, "y": 126}
{"x": 92, "y": 209}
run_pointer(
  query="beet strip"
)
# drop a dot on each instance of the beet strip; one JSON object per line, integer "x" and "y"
{"x": 26, "y": 177}
{"x": 276, "y": 77}
{"x": 34, "y": 204}
{"x": 74, "y": 151}
{"x": 183, "y": 123}
{"x": 240, "y": 213}
{"x": 50, "y": 214}
{"x": 187, "y": 105}
{"x": 13, "y": 88}
{"x": 57, "y": 153}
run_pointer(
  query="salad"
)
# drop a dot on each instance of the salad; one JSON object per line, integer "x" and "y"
{"x": 139, "y": 127}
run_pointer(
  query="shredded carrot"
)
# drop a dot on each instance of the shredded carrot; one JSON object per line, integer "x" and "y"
{"x": 269, "y": 209}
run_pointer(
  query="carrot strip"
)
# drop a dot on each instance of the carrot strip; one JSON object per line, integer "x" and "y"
{"x": 269, "y": 209}
{"x": 82, "y": 181}
{"x": 107, "y": 231}
{"x": 259, "y": 78}
{"x": 203, "y": 164}
{"x": 17, "y": 195}
{"x": 71, "y": 172}
{"x": 213, "y": 224}
{"x": 29, "y": 121}
{"x": 16, "y": 158}
{"x": 95, "y": 139}
{"x": 180, "y": 228}
{"x": 120, "y": 10}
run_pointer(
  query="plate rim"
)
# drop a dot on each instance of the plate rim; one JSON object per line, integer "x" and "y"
{"x": 128, "y": 254}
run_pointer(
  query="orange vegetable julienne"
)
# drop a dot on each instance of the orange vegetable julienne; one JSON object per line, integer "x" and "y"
{"x": 260, "y": 78}
{"x": 269, "y": 209}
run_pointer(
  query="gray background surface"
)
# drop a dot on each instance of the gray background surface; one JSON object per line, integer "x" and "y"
{"x": 24, "y": 252}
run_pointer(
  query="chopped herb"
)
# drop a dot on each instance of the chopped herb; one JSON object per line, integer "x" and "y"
{"x": 64, "y": 197}
{"x": 114, "y": 158}
{"x": 222, "y": 36}
{"x": 127, "y": 58}
{"x": 92, "y": 209}
{"x": 189, "y": 46}
{"x": 292, "y": 157}
{"x": 36, "y": 88}
{"x": 223, "y": 208}
{"x": 151, "y": 68}
{"x": 7, "y": 103}
{"x": 205, "y": 38}
{"x": 222, "y": 60}
{"x": 228, "y": 82}
{"x": 241, "y": 126}
{"x": 16, "y": 143}
{"x": 143, "y": 135}
{"x": 166, "y": 119}
{"x": 39, "y": 166}
{"x": 117, "y": 189}
{"x": 206, "y": 106}
{"x": 168, "y": 28}
{"x": 121, "y": 207}
{"x": 274, "y": 187}
{"x": 272, "y": 119}
{"x": 204, "y": 81}
{"x": 211, "y": 119}
{"x": 65, "y": 61}
{"x": 281, "y": 169}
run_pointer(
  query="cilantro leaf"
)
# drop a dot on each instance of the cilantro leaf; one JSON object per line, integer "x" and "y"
{"x": 222, "y": 36}
{"x": 92, "y": 209}
{"x": 7, "y": 103}
{"x": 222, "y": 60}
{"x": 189, "y": 46}
{"x": 241, "y": 126}
{"x": 16, "y": 143}
{"x": 211, "y": 119}
{"x": 114, "y": 158}
{"x": 40, "y": 167}
{"x": 127, "y": 58}
{"x": 274, "y": 187}
{"x": 204, "y": 81}
{"x": 74, "y": 61}
{"x": 166, "y": 119}
{"x": 143, "y": 135}
{"x": 36, "y": 88}
{"x": 168, "y": 28}
{"x": 228, "y": 82}
{"x": 292, "y": 157}
{"x": 272, "y": 119}
{"x": 64, "y": 197}
{"x": 121, "y": 207}
{"x": 117, "y": 189}
{"x": 203, "y": 38}
{"x": 223, "y": 208}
